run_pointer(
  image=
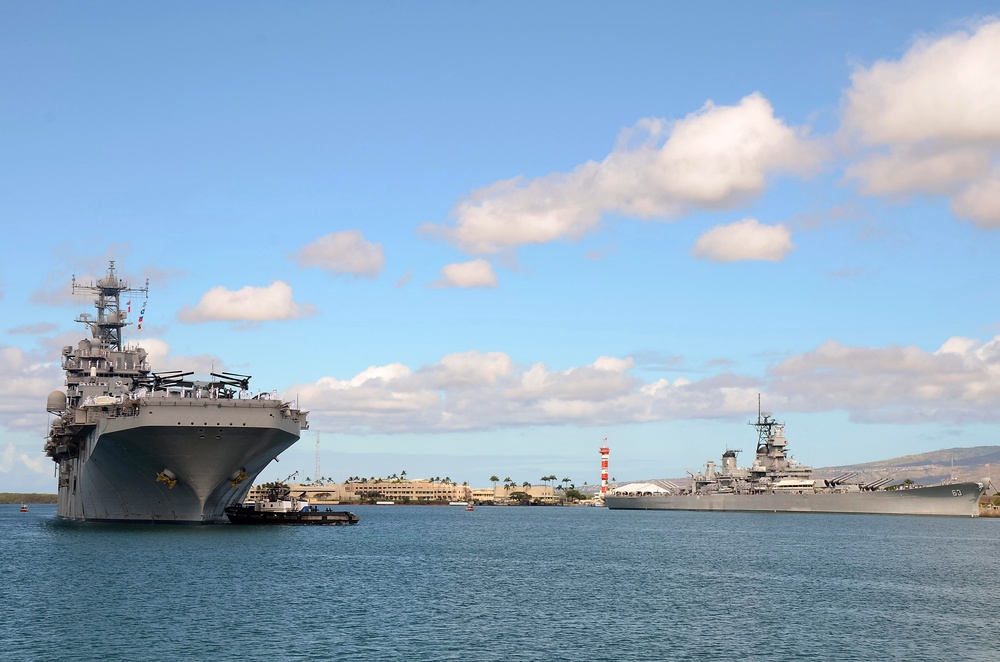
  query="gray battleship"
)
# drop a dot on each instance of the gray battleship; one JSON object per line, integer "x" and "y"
{"x": 132, "y": 445}
{"x": 775, "y": 482}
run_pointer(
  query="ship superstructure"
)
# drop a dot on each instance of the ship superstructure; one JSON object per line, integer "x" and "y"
{"x": 135, "y": 445}
{"x": 772, "y": 469}
{"x": 775, "y": 482}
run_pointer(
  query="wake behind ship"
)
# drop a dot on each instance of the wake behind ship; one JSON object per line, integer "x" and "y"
{"x": 775, "y": 482}
{"x": 132, "y": 445}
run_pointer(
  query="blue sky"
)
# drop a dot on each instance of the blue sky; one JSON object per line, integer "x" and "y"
{"x": 477, "y": 238}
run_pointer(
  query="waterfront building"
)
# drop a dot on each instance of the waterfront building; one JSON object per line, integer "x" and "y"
{"x": 539, "y": 493}
{"x": 379, "y": 489}
{"x": 419, "y": 490}
{"x": 406, "y": 491}
{"x": 483, "y": 495}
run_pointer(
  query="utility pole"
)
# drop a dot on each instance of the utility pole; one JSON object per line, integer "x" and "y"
{"x": 317, "y": 474}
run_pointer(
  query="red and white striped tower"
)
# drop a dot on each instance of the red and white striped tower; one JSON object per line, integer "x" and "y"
{"x": 605, "y": 451}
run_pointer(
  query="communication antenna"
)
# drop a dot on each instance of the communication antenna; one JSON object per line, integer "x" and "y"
{"x": 317, "y": 456}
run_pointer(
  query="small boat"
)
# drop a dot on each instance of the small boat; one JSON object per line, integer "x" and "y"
{"x": 469, "y": 507}
{"x": 24, "y": 508}
{"x": 279, "y": 507}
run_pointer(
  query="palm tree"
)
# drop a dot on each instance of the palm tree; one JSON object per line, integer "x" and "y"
{"x": 402, "y": 474}
{"x": 564, "y": 481}
{"x": 525, "y": 484}
{"x": 494, "y": 479}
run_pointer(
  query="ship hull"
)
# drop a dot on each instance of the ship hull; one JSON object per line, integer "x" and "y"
{"x": 214, "y": 450}
{"x": 247, "y": 515}
{"x": 957, "y": 500}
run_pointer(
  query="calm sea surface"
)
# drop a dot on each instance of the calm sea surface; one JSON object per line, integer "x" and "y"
{"x": 440, "y": 583}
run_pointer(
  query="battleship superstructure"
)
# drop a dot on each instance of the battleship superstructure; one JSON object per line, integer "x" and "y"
{"x": 132, "y": 445}
{"x": 775, "y": 482}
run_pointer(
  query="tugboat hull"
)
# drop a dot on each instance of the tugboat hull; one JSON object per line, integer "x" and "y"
{"x": 248, "y": 515}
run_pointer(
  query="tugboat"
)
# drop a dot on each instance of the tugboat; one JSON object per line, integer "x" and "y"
{"x": 280, "y": 507}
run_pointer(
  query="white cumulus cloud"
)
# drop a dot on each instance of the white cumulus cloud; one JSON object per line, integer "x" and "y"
{"x": 247, "y": 304}
{"x": 12, "y": 458}
{"x": 959, "y": 383}
{"x": 27, "y": 381}
{"x": 747, "y": 239}
{"x": 928, "y": 170}
{"x": 714, "y": 158}
{"x": 980, "y": 202}
{"x": 941, "y": 89}
{"x": 475, "y": 273}
{"x": 930, "y": 122}
{"x": 487, "y": 390}
{"x": 469, "y": 369}
{"x": 346, "y": 252}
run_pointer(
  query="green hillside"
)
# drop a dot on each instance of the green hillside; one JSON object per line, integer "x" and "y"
{"x": 31, "y": 497}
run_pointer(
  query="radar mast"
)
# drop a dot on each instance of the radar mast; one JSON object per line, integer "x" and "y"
{"x": 107, "y": 327}
{"x": 765, "y": 425}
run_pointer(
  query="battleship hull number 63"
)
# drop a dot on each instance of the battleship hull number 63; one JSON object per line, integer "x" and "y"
{"x": 775, "y": 482}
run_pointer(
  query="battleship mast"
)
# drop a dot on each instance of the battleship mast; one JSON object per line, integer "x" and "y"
{"x": 765, "y": 424}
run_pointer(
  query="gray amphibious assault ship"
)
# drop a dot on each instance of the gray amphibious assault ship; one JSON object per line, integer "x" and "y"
{"x": 775, "y": 482}
{"x": 132, "y": 445}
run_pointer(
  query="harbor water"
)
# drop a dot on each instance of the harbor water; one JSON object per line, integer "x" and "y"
{"x": 503, "y": 583}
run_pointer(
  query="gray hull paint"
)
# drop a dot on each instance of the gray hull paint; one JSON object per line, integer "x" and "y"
{"x": 133, "y": 445}
{"x": 957, "y": 500}
{"x": 203, "y": 443}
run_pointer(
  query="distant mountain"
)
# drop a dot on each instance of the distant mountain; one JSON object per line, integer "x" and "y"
{"x": 928, "y": 468}
{"x": 960, "y": 464}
